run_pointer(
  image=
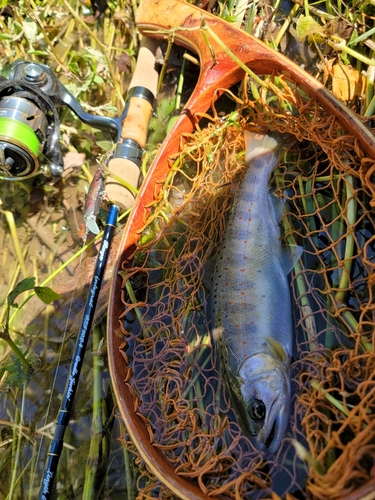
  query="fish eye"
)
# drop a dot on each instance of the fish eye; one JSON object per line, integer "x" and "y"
{"x": 257, "y": 410}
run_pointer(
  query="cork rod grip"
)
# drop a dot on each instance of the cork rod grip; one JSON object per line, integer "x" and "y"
{"x": 134, "y": 126}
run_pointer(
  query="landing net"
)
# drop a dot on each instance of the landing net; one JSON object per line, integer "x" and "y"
{"x": 327, "y": 183}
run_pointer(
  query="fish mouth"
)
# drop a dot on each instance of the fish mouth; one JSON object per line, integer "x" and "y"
{"x": 270, "y": 439}
{"x": 272, "y": 435}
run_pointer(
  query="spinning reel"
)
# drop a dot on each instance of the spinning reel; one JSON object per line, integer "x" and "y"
{"x": 30, "y": 124}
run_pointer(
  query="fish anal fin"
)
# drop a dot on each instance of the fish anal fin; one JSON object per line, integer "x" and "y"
{"x": 290, "y": 256}
{"x": 277, "y": 204}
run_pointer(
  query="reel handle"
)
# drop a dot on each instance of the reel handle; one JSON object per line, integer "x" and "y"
{"x": 127, "y": 157}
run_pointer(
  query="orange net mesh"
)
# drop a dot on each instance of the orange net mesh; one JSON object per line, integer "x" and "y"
{"x": 329, "y": 447}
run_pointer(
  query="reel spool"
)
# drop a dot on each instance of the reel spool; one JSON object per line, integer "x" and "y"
{"x": 23, "y": 129}
{"x": 30, "y": 124}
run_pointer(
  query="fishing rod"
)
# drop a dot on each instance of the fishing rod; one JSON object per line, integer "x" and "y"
{"x": 78, "y": 356}
{"x": 124, "y": 164}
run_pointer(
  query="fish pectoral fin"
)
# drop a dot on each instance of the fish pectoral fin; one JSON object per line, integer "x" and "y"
{"x": 277, "y": 349}
{"x": 290, "y": 256}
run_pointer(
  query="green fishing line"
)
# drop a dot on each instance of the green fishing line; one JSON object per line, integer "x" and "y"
{"x": 14, "y": 130}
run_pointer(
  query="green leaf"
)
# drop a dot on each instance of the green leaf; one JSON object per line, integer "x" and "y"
{"x": 230, "y": 19}
{"x": 163, "y": 110}
{"x": 17, "y": 376}
{"x": 159, "y": 123}
{"x": 344, "y": 57}
{"x": 46, "y": 294}
{"x": 37, "y": 52}
{"x": 306, "y": 26}
{"x": 30, "y": 29}
{"x": 106, "y": 145}
{"x": 171, "y": 122}
{"x": 22, "y": 286}
{"x": 96, "y": 54}
{"x": 98, "y": 79}
{"x": 74, "y": 68}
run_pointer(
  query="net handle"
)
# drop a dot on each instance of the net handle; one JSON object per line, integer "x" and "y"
{"x": 156, "y": 17}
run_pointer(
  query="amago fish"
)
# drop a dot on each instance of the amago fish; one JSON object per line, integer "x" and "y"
{"x": 251, "y": 306}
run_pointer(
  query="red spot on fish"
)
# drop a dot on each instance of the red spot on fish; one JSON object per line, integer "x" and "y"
{"x": 244, "y": 342}
{"x": 242, "y": 293}
{"x": 242, "y": 270}
{"x": 237, "y": 326}
{"x": 252, "y": 323}
{"x": 250, "y": 219}
{"x": 226, "y": 284}
{"x": 229, "y": 303}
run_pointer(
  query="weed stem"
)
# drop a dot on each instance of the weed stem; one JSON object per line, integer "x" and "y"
{"x": 351, "y": 211}
{"x": 13, "y": 231}
{"x": 233, "y": 56}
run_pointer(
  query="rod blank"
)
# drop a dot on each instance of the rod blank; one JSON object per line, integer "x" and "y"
{"x": 77, "y": 360}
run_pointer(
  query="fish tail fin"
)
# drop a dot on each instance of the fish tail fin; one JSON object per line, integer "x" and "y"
{"x": 257, "y": 144}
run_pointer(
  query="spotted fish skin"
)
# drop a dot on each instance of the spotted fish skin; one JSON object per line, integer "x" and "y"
{"x": 251, "y": 306}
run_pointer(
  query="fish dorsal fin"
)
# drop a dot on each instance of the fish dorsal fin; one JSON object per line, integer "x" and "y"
{"x": 257, "y": 144}
{"x": 277, "y": 349}
{"x": 290, "y": 256}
